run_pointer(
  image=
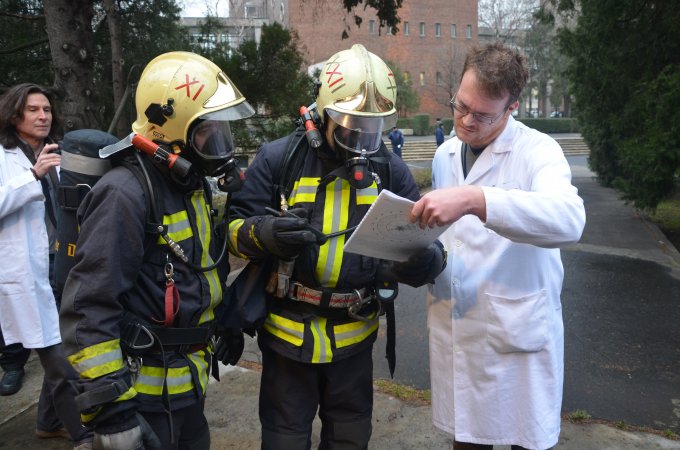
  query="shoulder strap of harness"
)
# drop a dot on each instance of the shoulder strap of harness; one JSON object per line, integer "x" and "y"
{"x": 380, "y": 163}
{"x": 154, "y": 202}
{"x": 287, "y": 169}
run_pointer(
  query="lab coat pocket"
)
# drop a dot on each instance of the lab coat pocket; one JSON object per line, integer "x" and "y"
{"x": 12, "y": 275}
{"x": 518, "y": 324}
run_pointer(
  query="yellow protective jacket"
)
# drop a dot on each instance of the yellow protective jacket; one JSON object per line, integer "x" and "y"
{"x": 297, "y": 330}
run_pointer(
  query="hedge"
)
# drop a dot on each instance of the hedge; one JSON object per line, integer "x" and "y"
{"x": 421, "y": 124}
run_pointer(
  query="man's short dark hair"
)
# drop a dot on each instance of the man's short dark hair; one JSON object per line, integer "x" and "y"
{"x": 12, "y": 104}
{"x": 500, "y": 70}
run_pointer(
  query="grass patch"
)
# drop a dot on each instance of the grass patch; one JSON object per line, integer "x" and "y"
{"x": 667, "y": 218}
{"x": 667, "y": 214}
{"x": 423, "y": 177}
{"x": 579, "y": 416}
{"x": 401, "y": 392}
{"x": 670, "y": 434}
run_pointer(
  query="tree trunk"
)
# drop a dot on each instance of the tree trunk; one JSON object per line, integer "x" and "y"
{"x": 69, "y": 29}
{"x": 117, "y": 62}
{"x": 542, "y": 96}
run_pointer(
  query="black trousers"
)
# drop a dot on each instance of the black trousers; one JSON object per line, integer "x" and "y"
{"x": 291, "y": 392}
{"x": 13, "y": 356}
{"x": 189, "y": 426}
{"x": 57, "y": 406}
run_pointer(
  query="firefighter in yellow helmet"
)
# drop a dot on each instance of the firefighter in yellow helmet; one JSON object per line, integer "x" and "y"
{"x": 303, "y": 195}
{"x": 139, "y": 306}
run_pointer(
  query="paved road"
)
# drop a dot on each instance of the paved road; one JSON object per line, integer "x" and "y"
{"x": 621, "y": 302}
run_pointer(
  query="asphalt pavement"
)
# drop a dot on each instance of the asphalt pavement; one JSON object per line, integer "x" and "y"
{"x": 621, "y": 303}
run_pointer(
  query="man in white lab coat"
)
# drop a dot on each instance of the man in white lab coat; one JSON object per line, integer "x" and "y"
{"x": 495, "y": 317}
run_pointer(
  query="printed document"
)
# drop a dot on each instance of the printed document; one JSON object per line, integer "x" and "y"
{"x": 386, "y": 233}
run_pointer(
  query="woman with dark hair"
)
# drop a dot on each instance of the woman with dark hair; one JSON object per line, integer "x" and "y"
{"x": 28, "y": 309}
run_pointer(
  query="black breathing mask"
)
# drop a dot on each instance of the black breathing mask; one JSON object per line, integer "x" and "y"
{"x": 213, "y": 154}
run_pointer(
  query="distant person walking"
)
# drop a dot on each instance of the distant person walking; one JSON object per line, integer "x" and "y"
{"x": 396, "y": 137}
{"x": 439, "y": 132}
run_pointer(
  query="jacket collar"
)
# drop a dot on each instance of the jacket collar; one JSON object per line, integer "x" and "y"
{"x": 502, "y": 144}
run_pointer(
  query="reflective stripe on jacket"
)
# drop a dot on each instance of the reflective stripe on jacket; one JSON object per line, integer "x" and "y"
{"x": 300, "y": 331}
{"x": 119, "y": 270}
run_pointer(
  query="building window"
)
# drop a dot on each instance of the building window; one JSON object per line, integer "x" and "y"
{"x": 453, "y": 30}
{"x": 371, "y": 26}
{"x": 405, "y": 28}
{"x": 250, "y": 10}
{"x": 407, "y": 77}
{"x": 440, "y": 80}
{"x": 421, "y": 78}
{"x": 468, "y": 33}
{"x": 438, "y": 29}
{"x": 390, "y": 31}
{"x": 422, "y": 28}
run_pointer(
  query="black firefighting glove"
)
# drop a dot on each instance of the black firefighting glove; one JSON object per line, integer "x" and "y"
{"x": 285, "y": 236}
{"x": 131, "y": 433}
{"x": 421, "y": 268}
{"x": 229, "y": 345}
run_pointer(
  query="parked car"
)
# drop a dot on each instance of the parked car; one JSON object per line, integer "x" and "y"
{"x": 556, "y": 114}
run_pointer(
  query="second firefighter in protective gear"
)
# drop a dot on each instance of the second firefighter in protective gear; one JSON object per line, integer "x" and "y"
{"x": 323, "y": 314}
{"x": 139, "y": 306}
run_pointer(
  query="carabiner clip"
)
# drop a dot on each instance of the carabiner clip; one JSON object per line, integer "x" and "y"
{"x": 169, "y": 271}
{"x": 354, "y": 308}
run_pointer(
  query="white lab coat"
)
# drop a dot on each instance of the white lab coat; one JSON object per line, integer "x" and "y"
{"x": 28, "y": 312}
{"x": 494, "y": 315}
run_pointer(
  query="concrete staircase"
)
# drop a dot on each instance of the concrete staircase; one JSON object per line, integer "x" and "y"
{"x": 423, "y": 149}
{"x": 573, "y": 145}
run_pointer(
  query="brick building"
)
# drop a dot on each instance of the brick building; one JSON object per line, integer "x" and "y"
{"x": 429, "y": 48}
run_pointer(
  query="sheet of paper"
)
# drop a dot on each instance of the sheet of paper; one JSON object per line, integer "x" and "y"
{"x": 386, "y": 233}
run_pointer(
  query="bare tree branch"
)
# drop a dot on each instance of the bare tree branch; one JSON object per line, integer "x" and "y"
{"x": 505, "y": 18}
{"x": 24, "y": 46}
{"x": 23, "y": 16}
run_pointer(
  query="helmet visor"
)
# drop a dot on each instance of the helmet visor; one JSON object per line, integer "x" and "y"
{"x": 360, "y": 133}
{"x": 242, "y": 110}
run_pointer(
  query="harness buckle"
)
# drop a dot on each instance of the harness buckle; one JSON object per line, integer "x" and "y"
{"x": 137, "y": 329}
{"x": 354, "y": 308}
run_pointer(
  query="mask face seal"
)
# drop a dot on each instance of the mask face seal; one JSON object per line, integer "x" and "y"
{"x": 213, "y": 149}
{"x": 213, "y": 146}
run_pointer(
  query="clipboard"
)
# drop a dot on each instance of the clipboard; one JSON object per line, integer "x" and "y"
{"x": 386, "y": 233}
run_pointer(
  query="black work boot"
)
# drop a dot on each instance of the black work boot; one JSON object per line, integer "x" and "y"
{"x": 11, "y": 382}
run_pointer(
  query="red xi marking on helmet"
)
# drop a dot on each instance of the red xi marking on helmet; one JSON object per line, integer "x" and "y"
{"x": 188, "y": 84}
{"x": 330, "y": 74}
{"x": 390, "y": 79}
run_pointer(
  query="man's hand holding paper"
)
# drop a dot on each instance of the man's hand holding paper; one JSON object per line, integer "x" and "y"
{"x": 386, "y": 232}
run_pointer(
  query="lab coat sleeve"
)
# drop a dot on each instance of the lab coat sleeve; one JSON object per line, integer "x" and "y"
{"x": 546, "y": 213}
{"x": 20, "y": 190}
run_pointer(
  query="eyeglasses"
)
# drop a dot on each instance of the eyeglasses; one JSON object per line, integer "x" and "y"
{"x": 481, "y": 118}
